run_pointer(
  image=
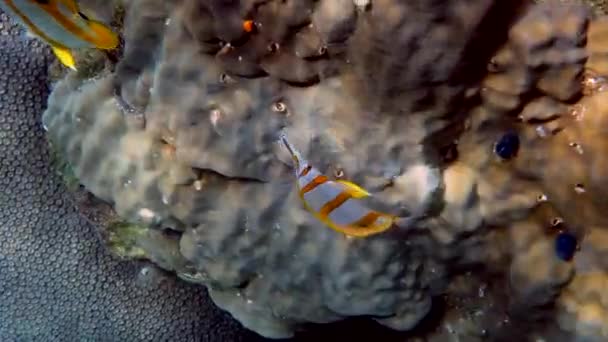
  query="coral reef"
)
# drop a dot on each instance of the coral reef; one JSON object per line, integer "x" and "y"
{"x": 57, "y": 281}
{"x": 482, "y": 119}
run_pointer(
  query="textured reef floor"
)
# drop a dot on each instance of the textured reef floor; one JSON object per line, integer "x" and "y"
{"x": 57, "y": 282}
{"x": 483, "y": 119}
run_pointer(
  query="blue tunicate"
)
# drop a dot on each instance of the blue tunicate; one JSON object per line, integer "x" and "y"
{"x": 507, "y": 146}
{"x": 565, "y": 246}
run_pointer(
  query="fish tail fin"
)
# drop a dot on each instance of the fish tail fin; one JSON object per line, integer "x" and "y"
{"x": 65, "y": 56}
{"x": 106, "y": 38}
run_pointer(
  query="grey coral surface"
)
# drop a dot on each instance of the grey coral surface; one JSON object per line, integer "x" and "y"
{"x": 57, "y": 281}
{"x": 408, "y": 99}
{"x": 206, "y": 166}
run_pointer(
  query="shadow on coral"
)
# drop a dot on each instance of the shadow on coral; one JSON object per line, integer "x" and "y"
{"x": 364, "y": 329}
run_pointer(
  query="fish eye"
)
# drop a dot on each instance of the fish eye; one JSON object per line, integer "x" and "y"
{"x": 339, "y": 173}
{"x": 42, "y": 2}
{"x": 279, "y": 107}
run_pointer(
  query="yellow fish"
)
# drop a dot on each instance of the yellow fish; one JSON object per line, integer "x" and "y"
{"x": 337, "y": 204}
{"x": 61, "y": 24}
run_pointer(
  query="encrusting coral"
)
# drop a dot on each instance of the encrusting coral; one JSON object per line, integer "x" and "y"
{"x": 484, "y": 117}
{"x": 57, "y": 281}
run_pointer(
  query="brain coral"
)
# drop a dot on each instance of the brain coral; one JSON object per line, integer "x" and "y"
{"x": 181, "y": 138}
{"x": 57, "y": 282}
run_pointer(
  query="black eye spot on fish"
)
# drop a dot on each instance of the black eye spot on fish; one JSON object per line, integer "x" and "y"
{"x": 507, "y": 146}
{"x": 579, "y": 188}
{"x": 565, "y": 246}
{"x": 42, "y": 2}
{"x": 83, "y": 16}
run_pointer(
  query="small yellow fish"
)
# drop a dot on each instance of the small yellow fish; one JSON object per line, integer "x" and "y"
{"x": 336, "y": 203}
{"x": 61, "y": 24}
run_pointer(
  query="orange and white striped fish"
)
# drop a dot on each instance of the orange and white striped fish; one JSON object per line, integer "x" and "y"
{"x": 338, "y": 203}
{"x": 61, "y": 25}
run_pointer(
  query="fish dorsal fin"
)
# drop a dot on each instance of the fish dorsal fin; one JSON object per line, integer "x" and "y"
{"x": 65, "y": 56}
{"x": 353, "y": 189}
{"x": 70, "y": 5}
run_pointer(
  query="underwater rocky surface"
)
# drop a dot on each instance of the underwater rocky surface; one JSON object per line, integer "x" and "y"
{"x": 57, "y": 282}
{"x": 485, "y": 116}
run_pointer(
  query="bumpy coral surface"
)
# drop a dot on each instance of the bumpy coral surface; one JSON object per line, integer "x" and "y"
{"x": 188, "y": 145}
{"x": 485, "y": 117}
{"x": 57, "y": 281}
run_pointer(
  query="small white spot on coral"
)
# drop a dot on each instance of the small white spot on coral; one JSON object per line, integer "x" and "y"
{"x": 146, "y": 213}
{"x": 482, "y": 291}
{"x": 361, "y": 3}
{"x": 577, "y": 147}
{"x": 145, "y": 271}
{"x": 542, "y": 131}
{"x": 421, "y": 180}
{"x": 214, "y": 117}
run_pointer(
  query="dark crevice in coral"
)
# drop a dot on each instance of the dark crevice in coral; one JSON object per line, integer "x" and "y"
{"x": 449, "y": 153}
{"x": 491, "y": 33}
{"x": 365, "y": 329}
{"x": 172, "y": 233}
{"x": 206, "y": 172}
{"x": 243, "y": 285}
{"x": 126, "y": 108}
